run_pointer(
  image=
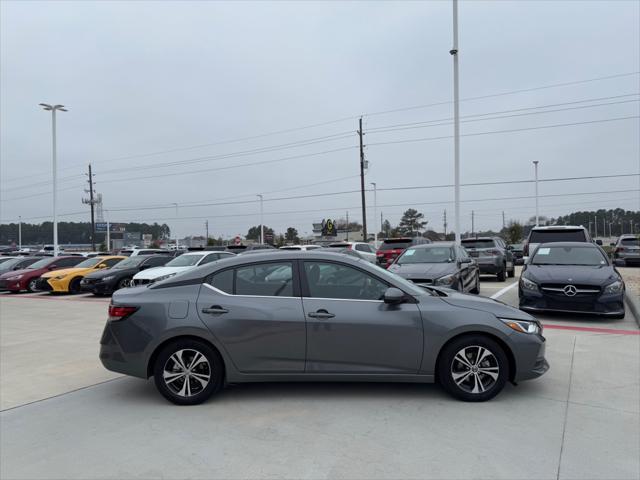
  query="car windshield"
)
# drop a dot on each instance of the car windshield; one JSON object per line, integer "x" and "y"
{"x": 130, "y": 262}
{"x": 585, "y": 256}
{"x": 406, "y": 285}
{"x": 395, "y": 244}
{"x": 478, "y": 243}
{"x": 11, "y": 261}
{"x": 41, "y": 263}
{"x": 184, "y": 261}
{"x": 426, "y": 255}
{"x": 630, "y": 242}
{"x": 90, "y": 262}
{"x": 548, "y": 236}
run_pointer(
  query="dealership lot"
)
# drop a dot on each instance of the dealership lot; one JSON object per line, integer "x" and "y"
{"x": 64, "y": 416}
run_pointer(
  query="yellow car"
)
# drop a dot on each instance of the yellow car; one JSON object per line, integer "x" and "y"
{"x": 68, "y": 280}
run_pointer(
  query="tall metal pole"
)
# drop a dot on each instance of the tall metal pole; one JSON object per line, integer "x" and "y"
{"x": 176, "y": 222}
{"x": 364, "y": 207}
{"x": 375, "y": 214}
{"x": 91, "y": 204}
{"x": 595, "y": 225}
{"x": 108, "y": 231}
{"x": 20, "y": 232}
{"x": 261, "y": 221}
{"x": 456, "y": 120}
{"x": 535, "y": 163}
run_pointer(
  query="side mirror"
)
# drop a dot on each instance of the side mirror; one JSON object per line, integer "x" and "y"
{"x": 612, "y": 244}
{"x": 599, "y": 242}
{"x": 465, "y": 260}
{"x": 509, "y": 247}
{"x": 393, "y": 296}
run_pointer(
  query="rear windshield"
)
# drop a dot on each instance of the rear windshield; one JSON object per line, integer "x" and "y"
{"x": 585, "y": 256}
{"x": 547, "y": 236}
{"x": 395, "y": 244}
{"x": 630, "y": 242}
{"x": 478, "y": 243}
{"x": 290, "y": 248}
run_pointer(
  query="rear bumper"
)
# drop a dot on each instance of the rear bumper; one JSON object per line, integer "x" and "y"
{"x": 490, "y": 265}
{"x": 119, "y": 351}
{"x": 606, "y": 305}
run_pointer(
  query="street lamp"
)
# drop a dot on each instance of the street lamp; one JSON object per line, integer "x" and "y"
{"x": 20, "y": 232}
{"x": 261, "y": 221}
{"x": 375, "y": 214}
{"x": 456, "y": 121}
{"x": 535, "y": 163}
{"x": 176, "y": 205}
{"x": 53, "y": 109}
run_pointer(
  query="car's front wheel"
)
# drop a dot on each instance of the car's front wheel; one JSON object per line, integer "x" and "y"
{"x": 32, "y": 286}
{"x": 473, "y": 368}
{"x": 188, "y": 372}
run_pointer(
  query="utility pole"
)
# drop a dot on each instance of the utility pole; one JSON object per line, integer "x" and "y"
{"x": 595, "y": 225}
{"x": 381, "y": 224}
{"x": 206, "y": 226}
{"x": 503, "y": 223}
{"x": 91, "y": 203}
{"x": 106, "y": 212}
{"x": 535, "y": 163}
{"x": 176, "y": 205}
{"x": 456, "y": 120}
{"x": 261, "y": 221}
{"x": 375, "y": 214}
{"x": 364, "y": 207}
{"x": 20, "y": 232}
{"x": 348, "y": 225}
{"x": 444, "y": 218}
{"x": 53, "y": 109}
{"x": 473, "y": 225}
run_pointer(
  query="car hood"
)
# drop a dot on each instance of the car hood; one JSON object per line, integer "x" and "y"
{"x": 423, "y": 270}
{"x": 570, "y": 274}
{"x": 474, "y": 302}
{"x": 156, "y": 272}
{"x": 68, "y": 271}
{"x": 111, "y": 271}
{"x": 23, "y": 271}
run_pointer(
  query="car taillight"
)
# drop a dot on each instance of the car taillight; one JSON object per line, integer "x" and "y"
{"x": 118, "y": 312}
{"x": 619, "y": 249}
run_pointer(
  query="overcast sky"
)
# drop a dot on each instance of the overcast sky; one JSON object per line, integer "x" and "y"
{"x": 163, "y": 95}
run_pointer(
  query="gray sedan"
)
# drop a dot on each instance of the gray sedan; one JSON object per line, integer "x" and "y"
{"x": 307, "y": 316}
{"x": 440, "y": 264}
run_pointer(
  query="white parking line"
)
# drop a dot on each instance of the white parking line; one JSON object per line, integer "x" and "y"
{"x": 501, "y": 292}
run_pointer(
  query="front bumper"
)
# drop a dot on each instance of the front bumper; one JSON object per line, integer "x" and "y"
{"x": 12, "y": 285}
{"x": 58, "y": 286}
{"x": 607, "y": 305}
{"x": 529, "y": 353}
{"x": 43, "y": 285}
{"x": 97, "y": 287}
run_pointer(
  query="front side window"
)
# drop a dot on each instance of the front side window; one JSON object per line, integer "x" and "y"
{"x": 333, "y": 280}
{"x": 111, "y": 262}
{"x": 89, "y": 263}
{"x": 265, "y": 279}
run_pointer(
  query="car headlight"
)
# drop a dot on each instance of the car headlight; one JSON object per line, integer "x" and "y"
{"x": 615, "y": 287}
{"x": 17, "y": 277}
{"x": 522, "y": 326}
{"x": 527, "y": 284}
{"x": 108, "y": 278}
{"x": 447, "y": 280}
{"x": 164, "y": 277}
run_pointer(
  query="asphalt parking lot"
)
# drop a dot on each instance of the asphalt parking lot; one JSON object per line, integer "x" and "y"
{"x": 64, "y": 416}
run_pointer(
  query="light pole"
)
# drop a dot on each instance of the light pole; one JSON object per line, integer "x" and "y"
{"x": 456, "y": 120}
{"x": 52, "y": 109}
{"x": 20, "y": 232}
{"x": 106, "y": 214}
{"x": 261, "y": 221}
{"x": 535, "y": 163}
{"x": 176, "y": 205}
{"x": 375, "y": 214}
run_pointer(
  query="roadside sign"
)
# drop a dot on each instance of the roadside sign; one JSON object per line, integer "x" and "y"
{"x": 101, "y": 227}
{"x": 237, "y": 240}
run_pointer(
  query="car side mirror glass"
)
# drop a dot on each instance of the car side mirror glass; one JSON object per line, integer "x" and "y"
{"x": 599, "y": 242}
{"x": 393, "y": 296}
{"x": 612, "y": 244}
{"x": 465, "y": 260}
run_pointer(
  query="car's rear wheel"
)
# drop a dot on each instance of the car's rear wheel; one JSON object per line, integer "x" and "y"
{"x": 473, "y": 368}
{"x": 32, "y": 286}
{"x": 502, "y": 274}
{"x": 476, "y": 288}
{"x": 74, "y": 285}
{"x": 188, "y": 372}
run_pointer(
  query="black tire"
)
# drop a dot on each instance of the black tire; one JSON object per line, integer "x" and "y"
{"x": 31, "y": 285}
{"x": 476, "y": 289}
{"x": 74, "y": 285}
{"x": 502, "y": 274}
{"x": 448, "y": 366}
{"x": 123, "y": 283}
{"x": 512, "y": 272}
{"x": 214, "y": 368}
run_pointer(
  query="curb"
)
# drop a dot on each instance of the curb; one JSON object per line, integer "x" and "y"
{"x": 634, "y": 307}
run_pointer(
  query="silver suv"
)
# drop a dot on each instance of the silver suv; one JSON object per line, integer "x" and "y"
{"x": 492, "y": 255}
{"x": 626, "y": 251}
{"x": 554, "y": 233}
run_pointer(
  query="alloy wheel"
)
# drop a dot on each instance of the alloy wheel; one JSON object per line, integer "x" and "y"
{"x": 187, "y": 373}
{"x": 475, "y": 369}
{"x": 33, "y": 285}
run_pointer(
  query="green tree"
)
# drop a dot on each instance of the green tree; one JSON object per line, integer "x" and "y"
{"x": 411, "y": 222}
{"x": 254, "y": 233}
{"x": 514, "y": 232}
{"x": 292, "y": 235}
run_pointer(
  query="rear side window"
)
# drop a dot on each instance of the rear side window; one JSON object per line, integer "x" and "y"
{"x": 546, "y": 236}
{"x": 68, "y": 262}
{"x": 265, "y": 279}
{"x": 223, "y": 281}
{"x": 210, "y": 258}
{"x": 111, "y": 262}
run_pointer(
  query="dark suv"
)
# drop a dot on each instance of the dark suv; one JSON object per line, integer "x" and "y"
{"x": 392, "y": 248}
{"x": 492, "y": 255}
{"x": 554, "y": 233}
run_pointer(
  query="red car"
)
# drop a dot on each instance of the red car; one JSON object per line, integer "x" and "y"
{"x": 26, "y": 278}
{"x": 392, "y": 248}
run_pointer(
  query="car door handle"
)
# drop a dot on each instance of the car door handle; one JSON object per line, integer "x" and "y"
{"x": 215, "y": 310}
{"x": 321, "y": 314}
